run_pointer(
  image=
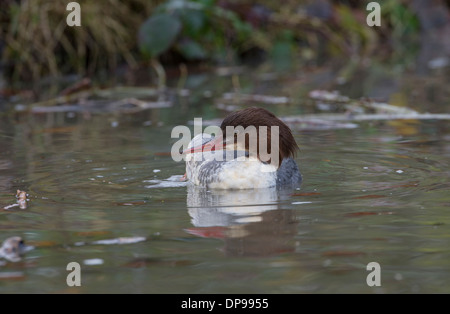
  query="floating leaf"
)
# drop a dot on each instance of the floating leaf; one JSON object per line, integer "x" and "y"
{"x": 157, "y": 34}
{"x": 208, "y": 232}
{"x": 357, "y": 214}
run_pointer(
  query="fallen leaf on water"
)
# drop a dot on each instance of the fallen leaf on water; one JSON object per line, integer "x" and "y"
{"x": 357, "y": 214}
{"x": 21, "y": 199}
{"x": 208, "y": 232}
{"x": 42, "y": 243}
{"x": 369, "y": 196}
{"x": 63, "y": 129}
{"x": 306, "y": 194}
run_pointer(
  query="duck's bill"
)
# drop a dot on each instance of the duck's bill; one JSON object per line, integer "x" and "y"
{"x": 213, "y": 145}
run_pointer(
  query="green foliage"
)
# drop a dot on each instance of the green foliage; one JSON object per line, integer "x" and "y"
{"x": 37, "y": 41}
{"x": 213, "y": 31}
{"x": 282, "y": 50}
{"x": 157, "y": 34}
{"x": 206, "y": 30}
{"x": 192, "y": 50}
{"x": 402, "y": 20}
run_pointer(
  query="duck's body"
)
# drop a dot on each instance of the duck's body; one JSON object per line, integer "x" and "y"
{"x": 234, "y": 166}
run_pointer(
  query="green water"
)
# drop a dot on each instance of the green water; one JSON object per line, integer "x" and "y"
{"x": 375, "y": 193}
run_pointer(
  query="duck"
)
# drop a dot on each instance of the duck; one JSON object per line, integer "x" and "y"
{"x": 231, "y": 160}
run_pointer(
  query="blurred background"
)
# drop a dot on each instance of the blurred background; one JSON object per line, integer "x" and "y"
{"x": 149, "y": 43}
{"x": 86, "y": 115}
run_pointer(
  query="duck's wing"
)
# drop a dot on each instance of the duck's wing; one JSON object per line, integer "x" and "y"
{"x": 288, "y": 173}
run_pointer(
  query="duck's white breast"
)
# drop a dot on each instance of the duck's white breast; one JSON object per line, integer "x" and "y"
{"x": 217, "y": 170}
{"x": 245, "y": 174}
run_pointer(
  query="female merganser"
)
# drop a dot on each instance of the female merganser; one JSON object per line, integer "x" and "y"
{"x": 231, "y": 161}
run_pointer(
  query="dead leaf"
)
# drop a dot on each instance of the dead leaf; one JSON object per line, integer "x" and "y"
{"x": 306, "y": 194}
{"x": 208, "y": 232}
{"x": 63, "y": 129}
{"x": 21, "y": 199}
{"x": 42, "y": 243}
{"x": 357, "y": 214}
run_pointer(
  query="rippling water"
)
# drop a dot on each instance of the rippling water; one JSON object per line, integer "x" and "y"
{"x": 104, "y": 192}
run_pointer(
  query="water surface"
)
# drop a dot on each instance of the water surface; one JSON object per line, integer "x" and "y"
{"x": 375, "y": 193}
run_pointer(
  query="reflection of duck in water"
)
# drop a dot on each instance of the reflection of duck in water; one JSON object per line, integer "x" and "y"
{"x": 244, "y": 165}
{"x": 224, "y": 208}
{"x": 250, "y": 222}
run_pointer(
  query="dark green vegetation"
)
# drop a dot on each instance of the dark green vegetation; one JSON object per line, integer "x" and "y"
{"x": 37, "y": 43}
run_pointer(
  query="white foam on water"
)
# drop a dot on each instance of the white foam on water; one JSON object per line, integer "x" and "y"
{"x": 93, "y": 261}
{"x": 175, "y": 181}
